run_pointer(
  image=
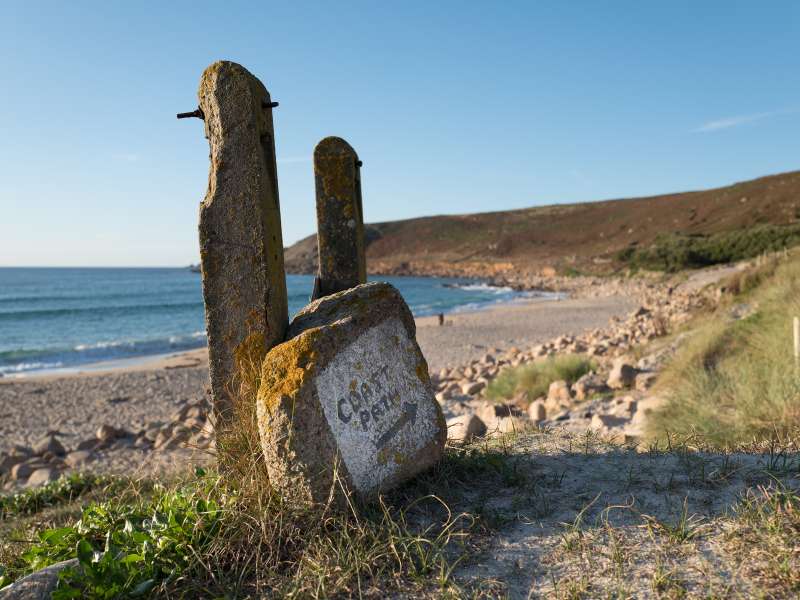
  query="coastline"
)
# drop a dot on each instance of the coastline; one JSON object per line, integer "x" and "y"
{"x": 469, "y": 332}
{"x": 178, "y": 358}
{"x": 138, "y": 396}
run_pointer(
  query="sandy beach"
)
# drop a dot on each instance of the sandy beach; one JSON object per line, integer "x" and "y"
{"x": 148, "y": 393}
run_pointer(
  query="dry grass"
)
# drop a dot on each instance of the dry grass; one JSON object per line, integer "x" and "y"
{"x": 535, "y": 513}
{"x": 736, "y": 380}
{"x": 535, "y": 378}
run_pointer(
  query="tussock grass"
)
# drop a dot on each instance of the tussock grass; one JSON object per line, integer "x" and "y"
{"x": 535, "y": 378}
{"x": 735, "y": 380}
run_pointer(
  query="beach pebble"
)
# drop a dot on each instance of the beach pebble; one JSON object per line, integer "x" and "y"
{"x": 107, "y": 433}
{"x": 465, "y": 427}
{"x": 41, "y": 476}
{"x": 77, "y": 458}
{"x": 20, "y": 471}
{"x": 49, "y": 443}
{"x": 537, "y": 411}
{"x": 588, "y": 385}
{"x": 88, "y": 444}
{"x": 622, "y": 375}
{"x": 8, "y": 461}
{"x": 470, "y": 388}
{"x": 559, "y": 393}
{"x": 645, "y": 381}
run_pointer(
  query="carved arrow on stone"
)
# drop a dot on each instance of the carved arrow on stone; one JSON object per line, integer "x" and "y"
{"x": 409, "y": 414}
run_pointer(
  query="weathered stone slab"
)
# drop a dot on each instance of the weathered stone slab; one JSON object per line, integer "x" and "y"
{"x": 349, "y": 393}
{"x": 241, "y": 246}
{"x": 340, "y": 217}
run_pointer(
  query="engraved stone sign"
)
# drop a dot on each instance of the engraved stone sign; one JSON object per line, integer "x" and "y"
{"x": 241, "y": 246}
{"x": 348, "y": 395}
{"x": 340, "y": 217}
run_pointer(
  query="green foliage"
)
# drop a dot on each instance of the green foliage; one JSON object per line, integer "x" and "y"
{"x": 736, "y": 380}
{"x": 124, "y": 549}
{"x": 63, "y": 490}
{"x": 535, "y": 378}
{"x": 206, "y": 538}
{"x": 675, "y": 252}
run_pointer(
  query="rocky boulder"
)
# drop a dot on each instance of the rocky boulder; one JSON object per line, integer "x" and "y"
{"x": 348, "y": 395}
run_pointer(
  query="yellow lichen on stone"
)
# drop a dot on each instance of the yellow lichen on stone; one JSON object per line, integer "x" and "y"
{"x": 285, "y": 368}
{"x": 337, "y": 181}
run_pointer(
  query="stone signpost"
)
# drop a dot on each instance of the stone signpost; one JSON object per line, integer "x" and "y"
{"x": 241, "y": 246}
{"x": 340, "y": 218}
{"x": 349, "y": 394}
{"x": 345, "y": 400}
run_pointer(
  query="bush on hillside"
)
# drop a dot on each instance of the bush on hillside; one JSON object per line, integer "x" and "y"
{"x": 675, "y": 252}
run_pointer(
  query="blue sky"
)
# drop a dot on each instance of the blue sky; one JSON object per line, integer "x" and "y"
{"x": 454, "y": 107}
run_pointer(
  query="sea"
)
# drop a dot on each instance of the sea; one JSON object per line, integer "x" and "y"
{"x": 54, "y": 319}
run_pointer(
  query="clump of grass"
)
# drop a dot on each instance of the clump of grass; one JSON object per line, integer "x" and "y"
{"x": 766, "y": 526}
{"x": 676, "y": 252}
{"x": 61, "y": 491}
{"x": 204, "y": 538}
{"x": 736, "y": 380}
{"x": 535, "y": 378}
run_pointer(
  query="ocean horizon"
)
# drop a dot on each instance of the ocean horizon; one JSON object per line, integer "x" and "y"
{"x": 55, "y": 318}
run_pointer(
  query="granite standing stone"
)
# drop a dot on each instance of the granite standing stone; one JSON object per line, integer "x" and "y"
{"x": 340, "y": 217}
{"x": 241, "y": 246}
{"x": 348, "y": 393}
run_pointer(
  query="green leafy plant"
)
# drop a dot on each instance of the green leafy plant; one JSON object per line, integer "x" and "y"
{"x": 63, "y": 490}
{"x": 126, "y": 549}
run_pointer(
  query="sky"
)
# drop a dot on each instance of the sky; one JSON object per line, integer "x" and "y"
{"x": 454, "y": 107}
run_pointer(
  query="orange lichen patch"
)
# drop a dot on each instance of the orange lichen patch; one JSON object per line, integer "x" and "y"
{"x": 337, "y": 176}
{"x": 353, "y": 384}
{"x": 285, "y": 369}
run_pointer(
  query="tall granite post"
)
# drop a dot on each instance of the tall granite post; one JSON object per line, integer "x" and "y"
{"x": 241, "y": 246}
{"x": 340, "y": 218}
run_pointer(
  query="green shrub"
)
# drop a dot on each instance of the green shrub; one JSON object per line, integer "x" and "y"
{"x": 204, "y": 538}
{"x": 535, "y": 378}
{"x": 675, "y": 252}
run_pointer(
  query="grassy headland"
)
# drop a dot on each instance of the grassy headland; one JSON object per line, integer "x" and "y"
{"x": 726, "y": 223}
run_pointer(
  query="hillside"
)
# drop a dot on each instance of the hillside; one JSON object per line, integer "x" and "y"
{"x": 586, "y": 237}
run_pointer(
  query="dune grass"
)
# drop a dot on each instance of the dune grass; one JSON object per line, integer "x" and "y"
{"x": 535, "y": 378}
{"x": 735, "y": 380}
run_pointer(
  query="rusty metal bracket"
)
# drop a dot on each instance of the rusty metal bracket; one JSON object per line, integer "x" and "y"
{"x": 195, "y": 113}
